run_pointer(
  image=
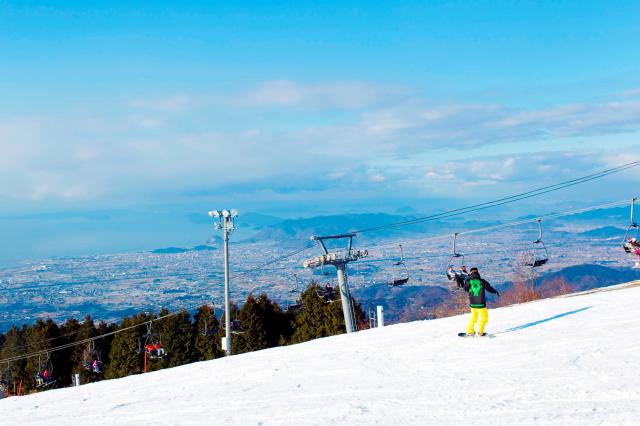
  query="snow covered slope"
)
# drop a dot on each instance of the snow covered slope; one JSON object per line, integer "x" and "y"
{"x": 570, "y": 360}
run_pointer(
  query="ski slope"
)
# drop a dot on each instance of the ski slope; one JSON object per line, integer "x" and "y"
{"x": 569, "y": 360}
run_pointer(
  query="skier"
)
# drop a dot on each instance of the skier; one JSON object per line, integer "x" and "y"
{"x": 476, "y": 286}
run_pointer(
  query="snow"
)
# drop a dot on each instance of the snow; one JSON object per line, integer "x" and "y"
{"x": 567, "y": 360}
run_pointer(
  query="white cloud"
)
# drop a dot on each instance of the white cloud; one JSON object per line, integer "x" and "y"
{"x": 339, "y": 95}
{"x": 113, "y": 155}
{"x": 174, "y": 103}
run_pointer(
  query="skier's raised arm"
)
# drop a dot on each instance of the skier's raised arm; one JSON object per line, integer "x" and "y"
{"x": 488, "y": 287}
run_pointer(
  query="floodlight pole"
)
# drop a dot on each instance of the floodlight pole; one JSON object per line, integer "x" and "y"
{"x": 226, "y": 225}
{"x": 339, "y": 261}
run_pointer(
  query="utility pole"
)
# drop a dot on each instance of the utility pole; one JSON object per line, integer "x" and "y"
{"x": 225, "y": 224}
{"x": 340, "y": 261}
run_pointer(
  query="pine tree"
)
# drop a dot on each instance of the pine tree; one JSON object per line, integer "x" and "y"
{"x": 254, "y": 333}
{"x": 177, "y": 333}
{"x": 315, "y": 318}
{"x": 125, "y": 358}
{"x": 43, "y": 336}
{"x": 207, "y": 342}
{"x": 78, "y": 353}
{"x": 14, "y": 345}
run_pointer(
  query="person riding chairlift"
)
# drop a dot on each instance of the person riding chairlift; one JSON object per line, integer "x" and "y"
{"x": 328, "y": 291}
{"x": 155, "y": 350}
{"x": 458, "y": 276}
{"x": 39, "y": 379}
{"x": 633, "y": 247}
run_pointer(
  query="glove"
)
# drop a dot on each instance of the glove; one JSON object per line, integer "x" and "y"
{"x": 497, "y": 293}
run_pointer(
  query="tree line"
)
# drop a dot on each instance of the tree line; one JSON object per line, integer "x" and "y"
{"x": 186, "y": 338}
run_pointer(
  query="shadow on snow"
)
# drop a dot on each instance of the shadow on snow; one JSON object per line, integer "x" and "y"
{"x": 534, "y": 323}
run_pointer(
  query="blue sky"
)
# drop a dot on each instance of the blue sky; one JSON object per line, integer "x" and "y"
{"x": 299, "y": 107}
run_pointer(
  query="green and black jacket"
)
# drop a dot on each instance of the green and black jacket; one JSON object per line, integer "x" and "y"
{"x": 476, "y": 287}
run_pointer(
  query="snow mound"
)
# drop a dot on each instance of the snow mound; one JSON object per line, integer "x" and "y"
{"x": 567, "y": 360}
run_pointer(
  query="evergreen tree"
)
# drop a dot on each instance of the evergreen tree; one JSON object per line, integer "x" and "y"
{"x": 14, "y": 345}
{"x": 315, "y": 318}
{"x": 207, "y": 342}
{"x": 320, "y": 317}
{"x": 125, "y": 358}
{"x": 178, "y": 338}
{"x": 78, "y": 353}
{"x": 254, "y": 332}
{"x": 43, "y": 336}
{"x": 277, "y": 323}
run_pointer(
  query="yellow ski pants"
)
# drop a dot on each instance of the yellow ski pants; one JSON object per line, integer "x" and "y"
{"x": 484, "y": 317}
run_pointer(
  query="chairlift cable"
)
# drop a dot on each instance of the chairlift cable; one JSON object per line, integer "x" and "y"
{"x": 505, "y": 200}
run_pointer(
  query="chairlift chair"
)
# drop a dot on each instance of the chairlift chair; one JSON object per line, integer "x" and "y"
{"x": 151, "y": 344}
{"x": 91, "y": 359}
{"x": 631, "y": 236}
{"x": 5, "y": 380}
{"x": 540, "y": 254}
{"x": 44, "y": 375}
{"x": 327, "y": 292}
{"x": 210, "y": 327}
{"x": 293, "y": 308}
{"x": 455, "y": 255}
{"x": 399, "y": 277}
{"x": 453, "y": 261}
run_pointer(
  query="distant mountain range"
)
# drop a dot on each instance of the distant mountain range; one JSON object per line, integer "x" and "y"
{"x": 174, "y": 250}
{"x": 270, "y": 228}
{"x": 604, "y": 232}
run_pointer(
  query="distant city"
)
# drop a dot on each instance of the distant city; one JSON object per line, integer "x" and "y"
{"x": 108, "y": 287}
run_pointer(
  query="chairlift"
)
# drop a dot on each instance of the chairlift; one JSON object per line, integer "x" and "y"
{"x": 328, "y": 292}
{"x": 454, "y": 263}
{"x": 236, "y": 324}
{"x": 292, "y": 308}
{"x": 539, "y": 252}
{"x": 211, "y": 328}
{"x": 44, "y": 375}
{"x": 455, "y": 255}
{"x": 5, "y": 380}
{"x": 296, "y": 288}
{"x": 401, "y": 276}
{"x": 91, "y": 359}
{"x": 150, "y": 344}
{"x": 630, "y": 243}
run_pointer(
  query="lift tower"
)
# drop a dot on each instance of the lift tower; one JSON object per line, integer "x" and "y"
{"x": 339, "y": 260}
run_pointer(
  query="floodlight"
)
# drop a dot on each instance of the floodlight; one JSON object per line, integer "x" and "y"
{"x": 225, "y": 213}
{"x": 234, "y": 212}
{"x": 214, "y": 213}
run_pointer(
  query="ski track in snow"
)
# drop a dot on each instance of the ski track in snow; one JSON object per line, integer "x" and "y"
{"x": 569, "y": 361}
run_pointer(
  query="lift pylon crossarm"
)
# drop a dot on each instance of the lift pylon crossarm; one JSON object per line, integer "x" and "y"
{"x": 340, "y": 260}
{"x": 333, "y": 258}
{"x": 321, "y": 240}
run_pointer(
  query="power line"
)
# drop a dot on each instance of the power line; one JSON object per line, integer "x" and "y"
{"x": 505, "y": 200}
{"x": 505, "y": 225}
